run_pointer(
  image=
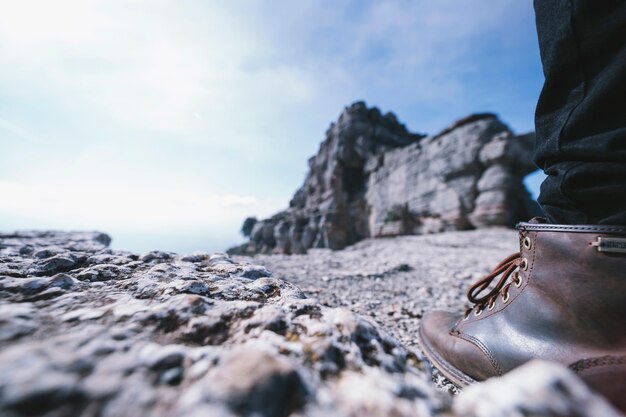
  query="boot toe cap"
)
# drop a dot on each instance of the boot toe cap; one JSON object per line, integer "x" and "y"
{"x": 463, "y": 361}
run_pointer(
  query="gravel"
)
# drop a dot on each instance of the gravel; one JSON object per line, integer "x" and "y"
{"x": 395, "y": 280}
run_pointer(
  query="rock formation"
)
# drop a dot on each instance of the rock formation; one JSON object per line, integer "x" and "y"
{"x": 372, "y": 177}
{"x": 88, "y": 331}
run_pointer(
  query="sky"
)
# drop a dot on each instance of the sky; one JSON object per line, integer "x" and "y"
{"x": 166, "y": 122}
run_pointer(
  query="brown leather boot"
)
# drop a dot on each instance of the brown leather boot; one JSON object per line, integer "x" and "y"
{"x": 562, "y": 298}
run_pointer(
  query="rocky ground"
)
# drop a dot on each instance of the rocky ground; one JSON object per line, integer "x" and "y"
{"x": 85, "y": 330}
{"x": 395, "y": 280}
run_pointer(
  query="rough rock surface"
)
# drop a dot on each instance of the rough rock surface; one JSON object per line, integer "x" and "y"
{"x": 536, "y": 389}
{"x": 85, "y": 330}
{"x": 90, "y": 331}
{"x": 372, "y": 177}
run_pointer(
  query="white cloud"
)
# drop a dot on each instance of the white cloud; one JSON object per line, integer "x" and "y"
{"x": 153, "y": 65}
{"x": 115, "y": 103}
{"x": 140, "y": 210}
{"x": 16, "y": 131}
{"x": 148, "y": 65}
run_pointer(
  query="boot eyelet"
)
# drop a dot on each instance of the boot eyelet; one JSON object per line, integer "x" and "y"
{"x": 527, "y": 243}
{"x": 524, "y": 264}
{"x": 490, "y": 306}
{"x": 505, "y": 297}
{"x": 478, "y": 312}
{"x": 517, "y": 281}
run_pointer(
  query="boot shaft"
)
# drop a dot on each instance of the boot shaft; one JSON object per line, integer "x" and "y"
{"x": 579, "y": 273}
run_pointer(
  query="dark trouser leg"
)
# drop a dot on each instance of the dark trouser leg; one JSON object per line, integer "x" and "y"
{"x": 581, "y": 114}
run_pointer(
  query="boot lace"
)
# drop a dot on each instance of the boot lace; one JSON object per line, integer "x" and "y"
{"x": 506, "y": 268}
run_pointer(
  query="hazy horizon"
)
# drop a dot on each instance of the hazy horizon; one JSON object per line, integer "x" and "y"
{"x": 166, "y": 123}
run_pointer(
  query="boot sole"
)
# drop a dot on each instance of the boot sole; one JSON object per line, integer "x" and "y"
{"x": 457, "y": 377}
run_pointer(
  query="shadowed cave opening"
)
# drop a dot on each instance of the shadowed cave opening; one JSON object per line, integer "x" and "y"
{"x": 353, "y": 182}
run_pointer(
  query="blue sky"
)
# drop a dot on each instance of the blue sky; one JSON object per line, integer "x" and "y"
{"x": 166, "y": 122}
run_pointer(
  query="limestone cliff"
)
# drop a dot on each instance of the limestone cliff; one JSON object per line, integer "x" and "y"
{"x": 372, "y": 177}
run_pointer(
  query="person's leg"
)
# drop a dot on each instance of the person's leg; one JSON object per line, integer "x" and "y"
{"x": 562, "y": 297}
{"x": 581, "y": 114}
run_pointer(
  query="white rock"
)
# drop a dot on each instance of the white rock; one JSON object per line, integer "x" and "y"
{"x": 538, "y": 388}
